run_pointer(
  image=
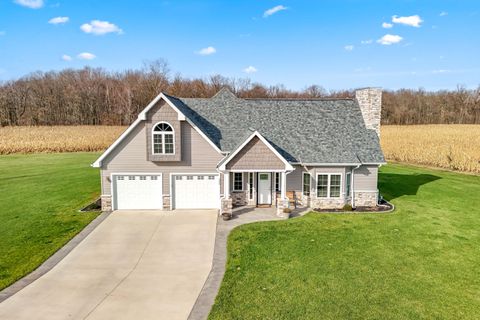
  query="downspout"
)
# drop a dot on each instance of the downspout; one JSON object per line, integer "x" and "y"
{"x": 352, "y": 188}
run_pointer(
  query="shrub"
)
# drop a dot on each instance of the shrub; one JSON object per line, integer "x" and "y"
{"x": 347, "y": 207}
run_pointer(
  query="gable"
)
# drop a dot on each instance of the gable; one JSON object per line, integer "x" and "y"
{"x": 163, "y": 112}
{"x": 255, "y": 155}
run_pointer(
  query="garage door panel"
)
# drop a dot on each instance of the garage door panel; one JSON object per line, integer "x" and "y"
{"x": 196, "y": 191}
{"x": 138, "y": 191}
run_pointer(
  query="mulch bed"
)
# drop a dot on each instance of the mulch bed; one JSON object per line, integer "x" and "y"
{"x": 384, "y": 207}
{"x": 94, "y": 206}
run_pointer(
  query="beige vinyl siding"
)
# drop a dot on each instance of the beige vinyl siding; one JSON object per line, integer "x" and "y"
{"x": 366, "y": 178}
{"x": 255, "y": 155}
{"x": 295, "y": 179}
{"x": 198, "y": 156}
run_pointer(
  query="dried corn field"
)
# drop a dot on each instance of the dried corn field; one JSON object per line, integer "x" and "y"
{"x": 455, "y": 147}
{"x": 57, "y": 139}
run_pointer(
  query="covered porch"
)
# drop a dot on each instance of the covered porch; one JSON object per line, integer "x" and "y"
{"x": 255, "y": 175}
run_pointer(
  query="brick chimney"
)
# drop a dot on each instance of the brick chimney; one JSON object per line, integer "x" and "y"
{"x": 370, "y": 102}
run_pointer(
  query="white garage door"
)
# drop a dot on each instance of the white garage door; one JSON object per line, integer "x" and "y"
{"x": 137, "y": 191}
{"x": 195, "y": 191}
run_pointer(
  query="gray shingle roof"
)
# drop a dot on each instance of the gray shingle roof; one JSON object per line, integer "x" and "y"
{"x": 307, "y": 131}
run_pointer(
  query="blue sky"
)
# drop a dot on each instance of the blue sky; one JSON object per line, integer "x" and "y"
{"x": 337, "y": 44}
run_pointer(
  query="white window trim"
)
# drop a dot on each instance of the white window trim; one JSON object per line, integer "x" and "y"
{"x": 233, "y": 182}
{"x": 163, "y": 133}
{"x": 251, "y": 185}
{"x": 277, "y": 181}
{"x": 310, "y": 183}
{"x": 348, "y": 177}
{"x": 328, "y": 184}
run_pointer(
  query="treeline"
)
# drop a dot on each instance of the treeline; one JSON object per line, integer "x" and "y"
{"x": 97, "y": 97}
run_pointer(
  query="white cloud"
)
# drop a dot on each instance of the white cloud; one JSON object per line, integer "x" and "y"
{"x": 443, "y": 14}
{"x": 387, "y": 25}
{"x": 413, "y": 21}
{"x": 98, "y": 27}
{"x": 206, "y": 51}
{"x": 66, "y": 57}
{"x": 86, "y": 56}
{"x": 274, "y": 10}
{"x": 250, "y": 69}
{"x": 58, "y": 20}
{"x": 349, "y": 47}
{"x": 369, "y": 41}
{"x": 389, "y": 39}
{"x": 32, "y": 4}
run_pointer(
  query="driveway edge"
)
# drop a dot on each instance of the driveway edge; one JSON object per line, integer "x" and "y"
{"x": 53, "y": 260}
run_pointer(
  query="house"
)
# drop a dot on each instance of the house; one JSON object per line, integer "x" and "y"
{"x": 189, "y": 153}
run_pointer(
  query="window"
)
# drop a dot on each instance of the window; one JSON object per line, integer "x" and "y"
{"x": 178, "y": 177}
{"x": 277, "y": 181}
{"x": 306, "y": 184}
{"x": 237, "y": 181}
{"x": 200, "y": 177}
{"x": 211, "y": 177}
{"x": 153, "y": 178}
{"x": 348, "y": 183}
{"x": 143, "y": 177}
{"x": 335, "y": 180}
{"x": 131, "y": 177}
{"x": 250, "y": 185}
{"x": 322, "y": 185}
{"x": 163, "y": 139}
{"x": 329, "y": 185}
{"x": 189, "y": 177}
{"x": 120, "y": 178}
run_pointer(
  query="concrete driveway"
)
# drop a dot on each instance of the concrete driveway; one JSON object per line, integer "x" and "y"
{"x": 134, "y": 265}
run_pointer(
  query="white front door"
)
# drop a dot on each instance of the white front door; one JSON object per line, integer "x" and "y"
{"x": 264, "y": 188}
{"x": 196, "y": 191}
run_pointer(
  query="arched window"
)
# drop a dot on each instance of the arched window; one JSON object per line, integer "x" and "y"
{"x": 163, "y": 138}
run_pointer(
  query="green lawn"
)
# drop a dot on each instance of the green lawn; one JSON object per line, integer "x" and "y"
{"x": 39, "y": 196}
{"x": 420, "y": 262}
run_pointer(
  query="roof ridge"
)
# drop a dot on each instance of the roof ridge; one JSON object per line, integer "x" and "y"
{"x": 300, "y": 99}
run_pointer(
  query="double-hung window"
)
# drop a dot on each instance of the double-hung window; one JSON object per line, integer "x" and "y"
{"x": 163, "y": 139}
{"x": 329, "y": 185}
{"x": 237, "y": 181}
{"x": 306, "y": 184}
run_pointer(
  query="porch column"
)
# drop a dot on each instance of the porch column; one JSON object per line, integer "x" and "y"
{"x": 283, "y": 188}
{"x": 226, "y": 184}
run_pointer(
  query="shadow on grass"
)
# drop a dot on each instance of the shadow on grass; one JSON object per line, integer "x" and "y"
{"x": 394, "y": 185}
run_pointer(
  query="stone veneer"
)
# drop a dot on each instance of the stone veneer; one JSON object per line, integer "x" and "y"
{"x": 106, "y": 201}
{"x": 239, "y": 198}
{"x": 327, "y": 203}
{"x": 227, "y": 206}
{"x": 281, "y": 204}
{"x": 366, "y": 199}
{"x": 166, "y": 202}
{"x": 370, "y": 102}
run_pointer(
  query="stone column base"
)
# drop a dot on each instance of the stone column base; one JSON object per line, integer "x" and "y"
{"x": 106, "y": 201}
{"x": 282, "y": 204}
{"x": 227, "y": 206}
